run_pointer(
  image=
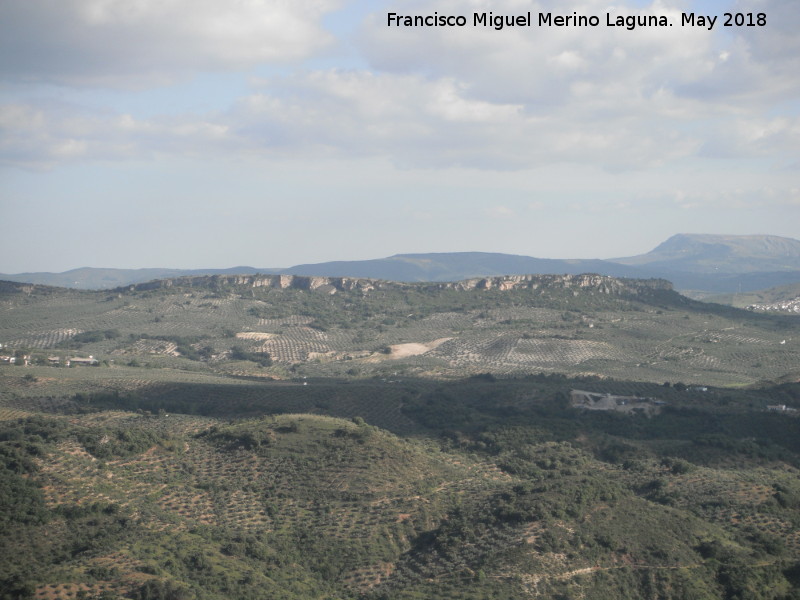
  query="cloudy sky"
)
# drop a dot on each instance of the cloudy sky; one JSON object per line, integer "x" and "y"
{"x": 215, "y": 133}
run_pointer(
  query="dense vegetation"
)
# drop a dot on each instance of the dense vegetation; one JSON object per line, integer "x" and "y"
{"x": 261, "y": 443}
{"x": 626, "y": 329}
{"x": 498, "y": 489}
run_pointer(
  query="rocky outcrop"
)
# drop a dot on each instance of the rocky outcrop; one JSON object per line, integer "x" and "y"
{"x": 282, "y": 282}
{"x": 12, "y": 287}
{"x": 590, "y": 282}
{"x": 599, "y": 283}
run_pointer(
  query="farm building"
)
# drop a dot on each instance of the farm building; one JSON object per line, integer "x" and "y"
{"x": 782, "y": 408}
{"x": 628, "y": 404}
{"x": 84, "y": 362}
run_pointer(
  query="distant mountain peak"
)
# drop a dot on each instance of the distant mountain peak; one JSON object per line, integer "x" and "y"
{"x": 714, "y": 253}
{"x": 766, "y": 245}
{"x": 692, "y": 261}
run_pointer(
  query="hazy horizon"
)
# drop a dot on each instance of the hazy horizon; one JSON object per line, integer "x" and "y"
{"x": 333, "y": 259}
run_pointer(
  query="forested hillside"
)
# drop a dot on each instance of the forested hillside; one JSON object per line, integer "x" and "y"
{"x": 495, "y": 489}
{"x": 286, "y": 437}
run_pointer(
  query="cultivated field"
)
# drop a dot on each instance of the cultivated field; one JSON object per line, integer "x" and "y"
{"x": 647, "y": 335}
{"x": 361, "y": 439}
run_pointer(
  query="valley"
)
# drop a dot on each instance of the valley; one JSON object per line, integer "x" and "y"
{"x": 274, "y": 436}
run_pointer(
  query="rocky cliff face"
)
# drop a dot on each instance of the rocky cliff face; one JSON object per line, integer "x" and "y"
{"x": 12, "y": 287}
{"x": 590, "y": 282}
{"x": 599, "y": 283}
{"x": 216, "y": 282}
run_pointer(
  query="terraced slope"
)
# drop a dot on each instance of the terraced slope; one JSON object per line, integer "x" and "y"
{"x": 306, "y": 326}
{"x": 540, "y": 503}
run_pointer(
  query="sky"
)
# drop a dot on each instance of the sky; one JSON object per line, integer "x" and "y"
{"x": 269, "y": 133}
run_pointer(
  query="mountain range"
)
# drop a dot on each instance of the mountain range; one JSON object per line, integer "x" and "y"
{"x": 702, "y": 263}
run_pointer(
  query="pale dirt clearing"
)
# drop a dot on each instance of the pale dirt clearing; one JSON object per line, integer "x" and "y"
{"x": 398, "y": 351}
{"x": 255, "y": 335}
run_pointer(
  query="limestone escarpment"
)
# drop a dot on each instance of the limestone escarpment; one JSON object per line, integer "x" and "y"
{"x": 589, "y": 282}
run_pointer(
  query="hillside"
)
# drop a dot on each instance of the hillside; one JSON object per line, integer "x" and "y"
{"x": 704, "y": 253}
{"x": 504, "y": 491}
{"x": 776, "y": 298}
{"x": 289, "y": 326}
{"x": 88, "y": 278}
{"x": 713, "y": 263}
{"x": 279, "y": 436}
{"x": 454, "y": 266}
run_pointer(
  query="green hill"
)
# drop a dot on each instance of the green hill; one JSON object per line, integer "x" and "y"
{"x": 289, "y": 327}
{"x": 274, "y": 436}
{"x": 519, "y": 496}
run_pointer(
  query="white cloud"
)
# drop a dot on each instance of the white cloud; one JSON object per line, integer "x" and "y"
{"x": 500, "y": 212}
{"x": 433, "y": 97}
{"x": 411, "y": 120}
{"x": 634, "y": 134}
{"x": 537, "y": 65}
{"x": 45, "y": 136}
{"x": 417, "y": 121}
{"x": 731, "y": 67}
{"x": 138, "y": 43}
{"x": 755, "y": 136}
